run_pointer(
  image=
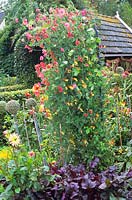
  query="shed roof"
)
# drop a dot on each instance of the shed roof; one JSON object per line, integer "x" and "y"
{"x": 116, "y": 37}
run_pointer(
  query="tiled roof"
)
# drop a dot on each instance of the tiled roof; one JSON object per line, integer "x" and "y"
{"x": 116, "y": 37}
{"x": 1, "y": 16}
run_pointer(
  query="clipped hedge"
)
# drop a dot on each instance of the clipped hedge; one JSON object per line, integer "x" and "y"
{"x": 7, "y": 81}
{"x": 12, "y": 88}
{"x": 9, "y": 95}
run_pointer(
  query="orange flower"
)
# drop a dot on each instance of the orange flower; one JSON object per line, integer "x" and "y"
{"x": 41, "y": 108}
{"x": 36, "y": 89}
{"x": 28, "y": 95}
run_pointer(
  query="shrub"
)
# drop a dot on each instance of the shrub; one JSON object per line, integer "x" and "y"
{"x": 70, "y": 71}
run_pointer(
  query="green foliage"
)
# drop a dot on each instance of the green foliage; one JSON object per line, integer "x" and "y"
{"x": 6, "y": 80}
{"x": 19, "y": 94}
{"x": 125, "y": 12}
{"x": 12, "y": 87}
{"x": 27, "y": 168}
{"x": 24, "y": 64}
{"x": 6, "y": 53}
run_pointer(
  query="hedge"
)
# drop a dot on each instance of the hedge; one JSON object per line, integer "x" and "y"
{"x": 16, "y": 95}
{"x": 12, "y": 87}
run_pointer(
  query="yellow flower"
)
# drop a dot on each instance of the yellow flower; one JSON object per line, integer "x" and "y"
{"x": 5, "y": 154}
{"x": 14, "y": 139}
{"x": 44, "y": 98}
{"x": 84, "y": 85}
{"x": 71, "y": 87}
{"x": 75, "y": 79}
{"x": 65, "y": 79}
{"x": 112, "y": 142}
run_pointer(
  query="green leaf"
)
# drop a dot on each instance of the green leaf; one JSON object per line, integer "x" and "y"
{"x": 76, "y": 71}
{"x": 17, "y": 190}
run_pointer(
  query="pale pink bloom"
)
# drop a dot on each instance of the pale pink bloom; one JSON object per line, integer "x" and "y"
{"x": 44, "y": 52}
{"x": 25, "y": 22}
{"x": 67, "y": 25}
{"x": 62, "y": 50}
{"x": 30, "y": 27}
{"x": 61, "y": 12}
{"x": 44, "y": 17}
{"x": 74, "y": 85}
{"x": 51, "y": 10}
{"x": 28, "y": 36}
{"x": 5, "y": 132}
{"x": 37, "y": 10}
{"x": 16, "y": 20}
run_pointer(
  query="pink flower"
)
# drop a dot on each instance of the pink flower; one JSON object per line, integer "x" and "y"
{"x": 125, "y": 74}
{"x": 44, "y": 52}
{"x": 61, "y": 12}
{"x": 30, "y": 27}
{"x": 29, "y": 48}
{"x": 60, "y": 89}
{"x": 84, "y": 12}
{"x": 37, "y": 10}
{"x": 28, "y": 36}
{"x": 62, "y": 50}
{"x": 77, "y": 42}
{"x": 25, "y": 22}
{"x": 41, "y": 57}
{"x": 67, "y": 25}
{"x": 31, "y": 154}
{"x": 74, "y": 85}
{"x": 16, "y": 20}
{"x": 53, "y": 28}
{"x": 44, "y": 17}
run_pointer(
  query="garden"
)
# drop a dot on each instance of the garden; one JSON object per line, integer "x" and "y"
{"x": 65, "y": 114}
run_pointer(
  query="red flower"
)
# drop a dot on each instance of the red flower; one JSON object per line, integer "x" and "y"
{"x": 80, "y": 59}
{"x": 70, "y": 35}
{"x": 28, "y": 95}
{"x": 77, "y": 42}
{"x": 60, "y": 89}
{"x": 31, "y": 154}
{"x": 85, "y": 114}
{"x": 90, "y": 111}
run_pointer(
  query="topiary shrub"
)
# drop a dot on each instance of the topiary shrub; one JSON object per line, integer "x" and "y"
{"x": 24, "y": 63}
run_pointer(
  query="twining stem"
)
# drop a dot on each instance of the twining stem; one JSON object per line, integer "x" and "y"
{"x": 37, "y": 130}
{"x": 118, "y": 121}
{"x": 61, "y": 148}
{"x": 16, "y": 124}
{"x": 25, "y": 126}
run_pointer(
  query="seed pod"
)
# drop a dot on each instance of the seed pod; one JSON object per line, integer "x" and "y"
{"x": 12, "y": 107}
{"x": 31, "y": 102}
{"x": 119, "y": 70}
